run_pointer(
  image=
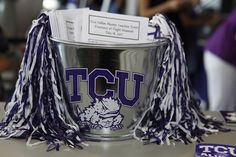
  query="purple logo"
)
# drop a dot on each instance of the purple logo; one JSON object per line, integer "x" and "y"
{"x": 215, "y": 150}
{"x": 81, "y": 74}
{"x": 104, "y": 110}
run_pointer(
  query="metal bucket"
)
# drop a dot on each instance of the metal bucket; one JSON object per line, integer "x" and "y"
{"x": 109, "y": 84}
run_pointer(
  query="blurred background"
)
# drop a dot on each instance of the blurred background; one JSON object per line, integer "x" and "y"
{"x": 196, "y": 20}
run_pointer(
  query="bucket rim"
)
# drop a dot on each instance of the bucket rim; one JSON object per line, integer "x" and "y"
{"x": 158, "y": 42}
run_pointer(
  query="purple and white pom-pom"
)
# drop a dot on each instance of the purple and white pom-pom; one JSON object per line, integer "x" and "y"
{"x": 173, "y": 112}
{"x": 39, "y": 107}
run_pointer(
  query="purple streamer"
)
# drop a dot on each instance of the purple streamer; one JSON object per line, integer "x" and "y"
{"x": 173, "y": 112}
{"x": 39, "y": 106}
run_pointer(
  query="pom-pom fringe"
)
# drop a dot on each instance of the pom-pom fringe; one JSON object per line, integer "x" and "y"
{"x": 39, "y": 106}
{"x": 173, "y": 112}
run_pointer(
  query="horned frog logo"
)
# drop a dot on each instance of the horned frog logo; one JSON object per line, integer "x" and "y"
{"x": 103, "y": 114}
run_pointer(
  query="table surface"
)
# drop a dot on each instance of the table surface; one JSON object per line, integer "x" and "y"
{"x": 131, "y": 148}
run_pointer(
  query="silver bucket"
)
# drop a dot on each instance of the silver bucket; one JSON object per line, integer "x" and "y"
{"x": 109, "y": 84}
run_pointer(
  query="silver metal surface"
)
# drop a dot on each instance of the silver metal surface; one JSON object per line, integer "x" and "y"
{"x": 141, "y": 60}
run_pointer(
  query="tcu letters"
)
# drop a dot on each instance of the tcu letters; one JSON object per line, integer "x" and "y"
{"x": 81, "y": 74}
{"x": 215, "y": 150}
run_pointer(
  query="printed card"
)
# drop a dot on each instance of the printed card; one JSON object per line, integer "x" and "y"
{"x": 114, "y": 28}
{"x": 85, "y": 25}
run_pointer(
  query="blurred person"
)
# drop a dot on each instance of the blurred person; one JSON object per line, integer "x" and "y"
{"x": 94, "y": 4}
{"x": 116, "y": 6}
{"x": 181, "y": 12}
{"x": 220, "y": 66}
{"x": 5, "y": 63}
{"x": 178, "y": 11}
{"x": 149, "y": 8}
{"x": 170, "y": 8}
{"x": 189, "y": 23}
{"x": 4, "y": 47}
{"x": 3, "y": 42}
